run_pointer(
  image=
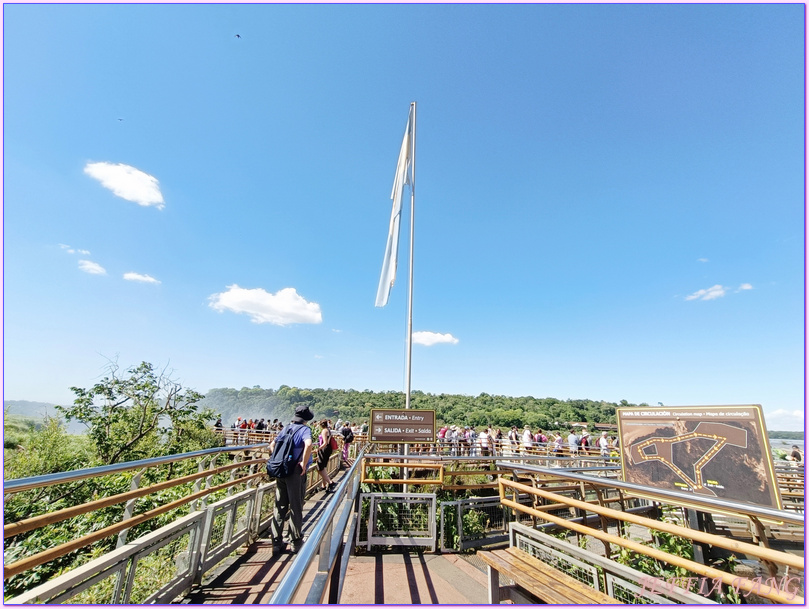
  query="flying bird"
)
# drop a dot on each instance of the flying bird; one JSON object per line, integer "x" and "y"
{"x": 238, "y": 36}
{"x": 120, "y": 119}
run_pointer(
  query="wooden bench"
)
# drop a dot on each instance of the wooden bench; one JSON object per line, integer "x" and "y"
{"x": 542, "y": 582}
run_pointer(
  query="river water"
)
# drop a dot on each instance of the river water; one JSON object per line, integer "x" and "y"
{"x": 786, "y": 444}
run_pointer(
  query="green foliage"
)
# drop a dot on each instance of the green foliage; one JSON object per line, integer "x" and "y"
{"x": 677, "y": 546}
{"x": 141, "y": 414}
{"x": 474, "y": 523}
{"x": 496, "y": 410}
{"x": 47, "y": 449}
{"x": 786, "y": 435}
{"x": 133, "y": 416}
{"x": 16, "y": 427}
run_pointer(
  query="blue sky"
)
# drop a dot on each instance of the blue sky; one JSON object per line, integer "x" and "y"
{"x": 609, "y": 205}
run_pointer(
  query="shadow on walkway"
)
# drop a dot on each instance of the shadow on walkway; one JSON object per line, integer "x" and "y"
{"x": 404, "y": 577}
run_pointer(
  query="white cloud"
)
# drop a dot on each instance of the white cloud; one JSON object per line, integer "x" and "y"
{"x": 281, "y": 309}
{"x": 716, "y": 291}
{"x": 433, "y": 338}
{"x": 70, "y": 250}
{"x": 784, "y": 420}
{"x": 702, "y": 260}
{"x": 127, "y": 182}
{"x": 91, "y": 267}
{"x": 141, "y": 278}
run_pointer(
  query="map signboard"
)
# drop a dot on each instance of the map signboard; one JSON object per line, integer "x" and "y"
{"x": 713, "y": 451}
{"x": 405, "y": 425}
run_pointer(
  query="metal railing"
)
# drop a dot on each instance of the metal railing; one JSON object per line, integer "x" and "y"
{"x": 25, "y": 484}
{"x": 161, "y": 564}
{"x": 472, "y": 523}
{"x": 709, "y": 504}
{"x": 330, "y": 543}
{"x": 234, "y": 436}
{"x": 604, "y": 515}
{"x": 627, "y": 585}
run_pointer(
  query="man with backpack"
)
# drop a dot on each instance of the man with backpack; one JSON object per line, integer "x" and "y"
{"x": 294, "y": 445}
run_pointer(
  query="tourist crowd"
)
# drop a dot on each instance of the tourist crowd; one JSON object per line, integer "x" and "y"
{"x": 455, "y": 440}
{"x": 460, "y": 440}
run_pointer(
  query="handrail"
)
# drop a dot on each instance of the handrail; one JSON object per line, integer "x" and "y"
{"x": 34, "y": 560}
{"x": 17, "y": 485}
{"x": 520, "y": 458}
{"x": 674, "y": 497}
{"x": 23, "y": 526}
{"x": 690, "y": 565}
{"x": 323, "y": 531}
{"x": 796, "y": 562}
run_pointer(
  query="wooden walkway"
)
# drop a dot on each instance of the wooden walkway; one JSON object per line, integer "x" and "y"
{"x": 386, "y": 578}
{"x": 414, "y": 578}
{"x": 252, "y": 576}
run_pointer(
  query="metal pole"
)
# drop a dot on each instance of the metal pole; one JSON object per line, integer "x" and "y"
{"x": 408, "y": 367}
{"x": 412, "y": 233}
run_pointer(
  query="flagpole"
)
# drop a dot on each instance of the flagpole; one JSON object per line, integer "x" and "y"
{"x": 408, "y": 368}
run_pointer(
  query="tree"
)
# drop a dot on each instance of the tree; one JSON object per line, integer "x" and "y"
{"x": 141, "y": 414}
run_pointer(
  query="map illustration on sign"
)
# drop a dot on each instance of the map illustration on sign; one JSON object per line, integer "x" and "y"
{"x": 713, "y": 451}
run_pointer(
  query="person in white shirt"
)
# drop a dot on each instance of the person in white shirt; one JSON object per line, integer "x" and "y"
{"x": 527, "y": 439}
{"x": 573, "y": 443}
{"x": 484, "y": 440}
{"x": 513, "y": 440}
{"x": 453, "y": 441}
{"x": 604, "y": 444}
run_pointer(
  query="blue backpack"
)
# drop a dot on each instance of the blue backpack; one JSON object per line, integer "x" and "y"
{"x": 282, "y": 462}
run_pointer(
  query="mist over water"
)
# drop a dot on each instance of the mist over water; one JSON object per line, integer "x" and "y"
{"x": 784, "y": 444}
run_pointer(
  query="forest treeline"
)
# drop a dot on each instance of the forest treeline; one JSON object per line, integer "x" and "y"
{"x": 785, "y": 435}
{"x": 484, "y": 409}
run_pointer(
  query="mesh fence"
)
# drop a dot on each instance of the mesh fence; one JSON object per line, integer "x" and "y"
{"x": 398, "y": 519}
{"x": 628, "y": 595}
{"x": 158, "y": 568}
{"x": 100, "y": 593}
{"x": 584, "y": 573}
{"x": 471, "y": 523}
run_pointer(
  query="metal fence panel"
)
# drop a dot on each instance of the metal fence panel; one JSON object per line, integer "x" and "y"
{"x": 565, "y": 563}
{"x": 472, "y": 523}
{"x": 97, "y": 582}
{"x": 226, "y": 528}
{"x": 400, "y": 519}
{"x": 627, "y": 582}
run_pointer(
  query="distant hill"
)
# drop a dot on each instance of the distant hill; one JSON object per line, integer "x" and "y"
{"x": 38, "y": 410}
{"x": 785, "y": 435}
{"x": 30, "y": 409}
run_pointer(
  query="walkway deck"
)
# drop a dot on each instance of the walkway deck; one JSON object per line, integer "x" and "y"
{"x": 401, "y": 578}
{"x": 414, "y": 578}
